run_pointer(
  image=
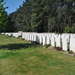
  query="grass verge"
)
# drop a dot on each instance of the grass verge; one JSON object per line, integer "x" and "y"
{"x": 18, "y": 57}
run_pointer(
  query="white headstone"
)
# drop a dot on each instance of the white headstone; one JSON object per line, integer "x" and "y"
{"x": 40, "y": 39}
{"x": 37, "y": 38}
{"x": 44, "y": 40}
{"x": 72, "y": 44}
{"x": 34, "y": 38}
{"x": 48, "y": 39}
{"x": 64, "y": 44}
{"x": 58, "y": 40}
{"x": 52, "y": 40}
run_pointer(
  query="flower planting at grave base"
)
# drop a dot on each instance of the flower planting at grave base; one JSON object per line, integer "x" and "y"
{"x": 22, "y": 38}
{"x": 70, "y": 52}
{"x": 58, "y": 48}
{"x": 47, "y": 45}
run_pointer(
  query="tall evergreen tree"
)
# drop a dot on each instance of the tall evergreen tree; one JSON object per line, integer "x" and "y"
{"x": 37, "y": 17}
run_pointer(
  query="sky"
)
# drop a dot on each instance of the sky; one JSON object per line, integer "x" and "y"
{"x": 12, "y": 5}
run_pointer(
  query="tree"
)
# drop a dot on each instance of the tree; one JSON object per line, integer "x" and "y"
{"x": 37, "y": 16}
{"x": 3, "y": 17}
{"x": 44, "y": 16}
{"x": 20, "y": 19}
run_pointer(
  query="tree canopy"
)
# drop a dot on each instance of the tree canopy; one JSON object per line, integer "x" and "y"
{"x": 44, "y": 16}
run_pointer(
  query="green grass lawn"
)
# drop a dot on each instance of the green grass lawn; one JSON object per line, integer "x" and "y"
{"x": 17, "y": 57}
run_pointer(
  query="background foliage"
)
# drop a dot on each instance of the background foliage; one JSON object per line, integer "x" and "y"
{"x": 43, "y": 16}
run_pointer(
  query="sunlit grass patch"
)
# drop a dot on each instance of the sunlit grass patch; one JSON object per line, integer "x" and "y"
{"x": 18, "y": 57}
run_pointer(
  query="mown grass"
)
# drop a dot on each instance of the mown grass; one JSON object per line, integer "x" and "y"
{"x": 18, "y": 57}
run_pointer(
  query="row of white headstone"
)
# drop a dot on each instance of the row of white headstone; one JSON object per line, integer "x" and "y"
{"x": 65, "y": 41}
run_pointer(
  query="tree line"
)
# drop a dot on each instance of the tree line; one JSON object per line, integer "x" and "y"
{"x": 43, "y": 16}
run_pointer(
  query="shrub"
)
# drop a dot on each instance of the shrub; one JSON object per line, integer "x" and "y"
{"x": 67, "y": 29}
{"x": 58, "y": 48}
{"x": 22, "y": 39}
{"x": 47, "y": 45}
{"x": 19, "y": 37}
{"x": 70, "y": 52}
{"x": 28, "y": 40}
{"x": 7, "y": 35}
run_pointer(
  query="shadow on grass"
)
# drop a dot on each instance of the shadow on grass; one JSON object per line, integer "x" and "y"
{"x": 17, "y": 46}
